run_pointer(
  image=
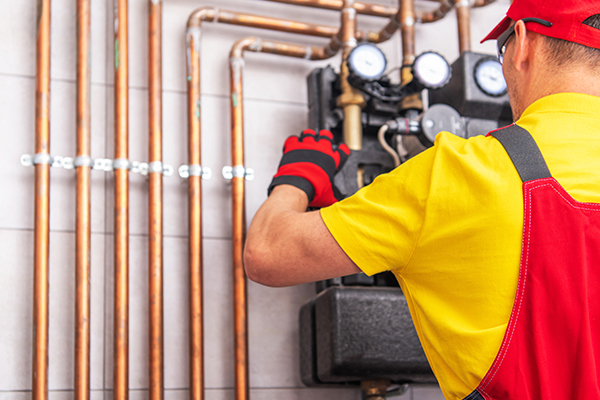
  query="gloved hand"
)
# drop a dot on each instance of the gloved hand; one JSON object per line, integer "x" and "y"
{"x": 309, "y": 162}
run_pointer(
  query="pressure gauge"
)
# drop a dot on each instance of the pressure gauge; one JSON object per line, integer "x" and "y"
{"x": 367, "y": 61}
{"x": 431, "y": 70}
{"x": 489, "y": 77}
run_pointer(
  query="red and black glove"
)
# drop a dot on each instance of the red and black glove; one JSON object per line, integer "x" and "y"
{"x": 310, "y": 162}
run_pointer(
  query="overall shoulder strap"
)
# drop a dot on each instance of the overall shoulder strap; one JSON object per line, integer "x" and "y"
{"x": 523, "y": 151}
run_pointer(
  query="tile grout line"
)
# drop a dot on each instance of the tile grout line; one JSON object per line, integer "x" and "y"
{"x": 145, "y": 89}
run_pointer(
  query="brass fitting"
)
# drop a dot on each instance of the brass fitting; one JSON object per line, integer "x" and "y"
{"x": 352, "y": 102}
{"x": 375, "y": 389}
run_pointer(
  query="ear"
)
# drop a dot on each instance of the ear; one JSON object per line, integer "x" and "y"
{"x": 522, "y": 47}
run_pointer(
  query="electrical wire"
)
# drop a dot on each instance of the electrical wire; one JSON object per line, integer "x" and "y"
{"x": 386, "y": 146}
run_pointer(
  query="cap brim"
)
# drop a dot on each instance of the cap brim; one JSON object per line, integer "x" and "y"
{"x": 498, "y": 30}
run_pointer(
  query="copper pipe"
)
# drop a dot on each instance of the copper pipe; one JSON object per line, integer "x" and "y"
{"x": 463, "y": 15}
{"x": 422, "y": 16}
{"x": 193, "y": 44}
{"x": 361, "y": 8}
{"x": 42, "y": 206}
{"x": 155, "y": 206}
{"x": 210, "y": 14}
{"x": 435, "y": 15}
{"x": 407, "y": 18}
{"x": 482, "y": 3}
{"x": 83, "y": 227}
{"x": 351, "y": 100}
{"x": 194, "y": 111}
{"x": 121, "y": 281}
{"x": 238, "y": 220}
{"x": 242, "y": 385}
{"x": 257, "y": 45}
{"x": 195, "y": 217}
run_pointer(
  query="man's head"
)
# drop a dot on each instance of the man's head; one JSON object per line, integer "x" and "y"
{"x": 548, "y": 39}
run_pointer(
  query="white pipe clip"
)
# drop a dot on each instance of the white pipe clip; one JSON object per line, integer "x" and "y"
{"x": 102, "y": 164}
{"x": 159, "y": 167}
{"x": 28, "y": 160}
{"x": 185, "y": 171}
{"x": 239, "y": 171}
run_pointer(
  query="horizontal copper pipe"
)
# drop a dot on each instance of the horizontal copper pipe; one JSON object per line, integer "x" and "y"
{"x": 195, "y": 249}
{"x": 257, "y": 45}
{"x": 210, "y": 14}
{"x": 418, "y": 16}
{"x": 425, "y": 17}
{"x": 83, "y": 227}
{"x": 42, "y": 206}
{"x": 361, "y": 8}
{"x": 482, "y": 3}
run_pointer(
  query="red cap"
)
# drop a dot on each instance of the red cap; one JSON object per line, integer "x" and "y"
{"x": 566, "y": 16}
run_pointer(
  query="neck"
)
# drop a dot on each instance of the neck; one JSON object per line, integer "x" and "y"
{"x": 547, "y": 81}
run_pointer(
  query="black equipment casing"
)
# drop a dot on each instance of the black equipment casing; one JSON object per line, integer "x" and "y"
{"x": 352, "y": 334}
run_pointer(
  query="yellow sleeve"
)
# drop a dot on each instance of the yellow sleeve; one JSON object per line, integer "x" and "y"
{"x": 379, "y": 225}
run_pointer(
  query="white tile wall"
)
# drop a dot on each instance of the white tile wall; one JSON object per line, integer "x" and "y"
{"x": 275, "y": 107}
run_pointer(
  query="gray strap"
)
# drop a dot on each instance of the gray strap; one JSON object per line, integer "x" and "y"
{"x": 524, "y": 152}
{"x": 474, "y": 395}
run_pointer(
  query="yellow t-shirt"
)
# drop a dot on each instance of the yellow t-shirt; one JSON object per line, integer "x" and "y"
{"x": 448, "y": 223}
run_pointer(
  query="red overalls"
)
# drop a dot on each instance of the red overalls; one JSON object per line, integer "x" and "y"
{"x": 551, "y": 348}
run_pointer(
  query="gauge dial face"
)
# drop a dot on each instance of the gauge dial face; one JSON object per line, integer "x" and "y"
{"x": 489, "y": 77}
{"x": 432, "y": 70}
{"x": 367, "y": 61}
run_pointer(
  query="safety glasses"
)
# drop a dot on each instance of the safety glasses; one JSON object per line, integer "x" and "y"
{"x": 503, "y": 38}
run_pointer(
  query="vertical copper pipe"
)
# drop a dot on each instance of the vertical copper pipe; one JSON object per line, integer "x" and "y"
{"x": 155, "y": 229}
{"x": 240, "y": 315}
{"x": 407, "y": 18}
{"x": 83, "y": 228}
{"x": 240, "y": 312}
{"x": 42, "y": 206}
{"x": 195, "y": 216}
{"x": 463, "y": 15}
{"x": 351, "y": 100}
{"x": 121, "y": 284}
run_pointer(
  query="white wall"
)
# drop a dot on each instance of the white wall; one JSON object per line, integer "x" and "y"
{"x": 275, "y": 107}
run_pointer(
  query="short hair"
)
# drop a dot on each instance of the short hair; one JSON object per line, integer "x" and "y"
{"x": 562, "y": 53}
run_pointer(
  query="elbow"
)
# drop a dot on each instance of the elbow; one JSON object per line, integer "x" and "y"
{"x": 259, "y": 268}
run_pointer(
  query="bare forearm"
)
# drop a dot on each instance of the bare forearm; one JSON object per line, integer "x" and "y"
{"x": 287, "y": 246}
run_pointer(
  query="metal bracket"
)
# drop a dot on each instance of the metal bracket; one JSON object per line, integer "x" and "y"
{"x": 239, "y": 171}
{"x": 101, "y": 164}
{"x": 185, "y": 171}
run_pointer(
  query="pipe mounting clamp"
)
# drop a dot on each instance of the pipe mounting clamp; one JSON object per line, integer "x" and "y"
{"x": 238, "y": 171}
{"x": 185, "y": 171}
{"x": 28, "y": 160}
{"x": 102, "y": 164}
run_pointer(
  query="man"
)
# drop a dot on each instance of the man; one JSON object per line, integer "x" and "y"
{"x": 494, "y": 240}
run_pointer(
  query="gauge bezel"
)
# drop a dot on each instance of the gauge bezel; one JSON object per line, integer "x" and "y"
{"x": 369, "y": 78}
{"x": 419, "y": 79}
{"x": 478, "y": 65}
